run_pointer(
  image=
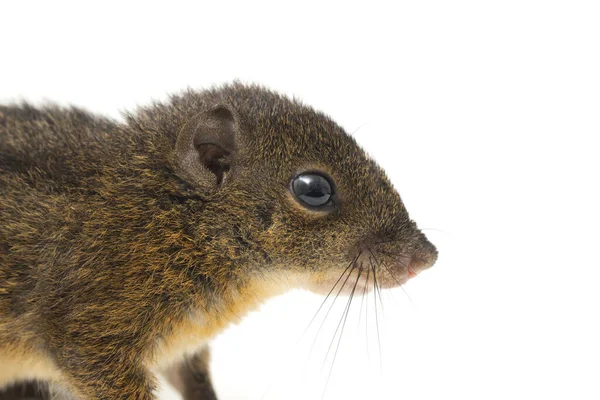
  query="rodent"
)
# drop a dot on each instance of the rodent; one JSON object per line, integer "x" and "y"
{"x": 126, "y": 246}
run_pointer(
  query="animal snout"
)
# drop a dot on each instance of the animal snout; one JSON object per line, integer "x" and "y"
{"x": 424, "y": 257}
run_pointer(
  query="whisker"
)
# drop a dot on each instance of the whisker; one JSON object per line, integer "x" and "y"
{"x": 378, "y": 291}
{"x": 345, "y": 318}
{"x": 329, "y": 294}
{"x": 406, "y": 293}
{"x": 356, "y": 130}
{"x": 344, "y": 314}
{"x": 363, "y": 297}
{"x": 331, "y": 306}
{"x": 391, "y": 254}
{"x": 350, "y": 267}
{"x": 387, "y": 268}
{"x": 362, "y": 301}
{"x": 376, "y": 317}
{"x": 367, "y": 316}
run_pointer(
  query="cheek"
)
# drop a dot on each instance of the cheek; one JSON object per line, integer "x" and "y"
{"x": 303, "y": 248}
{"x": 309, "y": 239}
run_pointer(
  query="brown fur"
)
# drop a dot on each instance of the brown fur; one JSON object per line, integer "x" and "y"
{"x": 119, "y": 259}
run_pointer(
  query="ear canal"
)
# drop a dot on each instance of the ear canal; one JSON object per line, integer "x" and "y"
{"x": 213, "y": 158}
{"x": 205, "y": 147}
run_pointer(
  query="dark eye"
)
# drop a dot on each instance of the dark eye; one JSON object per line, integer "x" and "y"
{"x": 312, "y": 189}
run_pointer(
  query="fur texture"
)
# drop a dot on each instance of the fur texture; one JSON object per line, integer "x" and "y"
{"x": 116, "y": 262}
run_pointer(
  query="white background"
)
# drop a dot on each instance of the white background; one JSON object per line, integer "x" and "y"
{"x": 486, "y": 116}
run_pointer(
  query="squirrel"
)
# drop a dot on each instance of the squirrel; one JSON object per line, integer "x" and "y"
{"x": 126, "y": 246}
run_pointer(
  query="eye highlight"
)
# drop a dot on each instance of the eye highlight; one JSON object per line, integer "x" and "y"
{"x": 313, "y": 190}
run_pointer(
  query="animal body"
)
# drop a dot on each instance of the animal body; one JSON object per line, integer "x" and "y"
{"x": 126, "y": 246}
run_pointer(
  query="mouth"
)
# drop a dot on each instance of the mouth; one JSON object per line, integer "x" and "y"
{"x": 381, "y": 279}
{"x": 389, "y": 270}
{"x": 374, "y": 269}
{"x": 366, "y": 278}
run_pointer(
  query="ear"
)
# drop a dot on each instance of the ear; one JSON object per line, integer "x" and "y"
{"x": 205, "y": 146}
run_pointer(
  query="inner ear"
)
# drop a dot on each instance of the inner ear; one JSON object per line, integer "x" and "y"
{"x": 213, "y": 158}
{"x": 206, "y": 145}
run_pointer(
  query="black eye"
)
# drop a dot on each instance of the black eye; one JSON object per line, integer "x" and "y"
{"x": 312, "y": 189}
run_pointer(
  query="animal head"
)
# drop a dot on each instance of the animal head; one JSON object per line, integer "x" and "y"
{"x": 289, "y": 195}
